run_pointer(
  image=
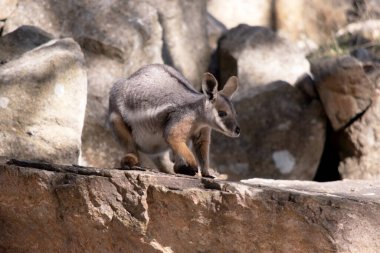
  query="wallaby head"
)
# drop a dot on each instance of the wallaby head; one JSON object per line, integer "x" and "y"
{"x": 221, "y": 114}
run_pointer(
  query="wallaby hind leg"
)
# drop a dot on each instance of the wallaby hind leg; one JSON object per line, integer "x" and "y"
{"x": 123, "y": 133}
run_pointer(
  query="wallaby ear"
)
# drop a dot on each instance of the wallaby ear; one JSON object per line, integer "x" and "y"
{"x": 209, "y": 85}
{"x": 230, "y": 87}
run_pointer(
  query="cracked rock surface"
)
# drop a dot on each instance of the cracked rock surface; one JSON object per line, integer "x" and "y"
{"x": 55, "y": 208}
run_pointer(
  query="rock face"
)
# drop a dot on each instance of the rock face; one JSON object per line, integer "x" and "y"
{"x": 283, "y": 135}
{"x": 258, "y": 56}
{"x": 343, "y": 87}
{"x": 42, "y": 97}
{"x": 71, "y": 209}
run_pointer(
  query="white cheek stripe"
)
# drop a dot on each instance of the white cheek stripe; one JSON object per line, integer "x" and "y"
{"x": 144, "y": 114}
{"x": 218, "y": 121}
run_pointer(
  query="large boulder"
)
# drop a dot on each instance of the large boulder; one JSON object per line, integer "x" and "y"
{"x": 52, "y": 208}
{"x": 343, "y": 87}
{"x": 117, "y": 38}
{"x": 43, "y": 93}
{"x": 282, "y": 135}
{"x": 258, "y": 56}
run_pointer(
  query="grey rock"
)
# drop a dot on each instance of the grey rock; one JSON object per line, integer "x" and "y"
{"x": 282, "y": 135}
{"x": 42, "y": 98}
{"x": 132, "y": 211}
{"x": 258, "y": 56}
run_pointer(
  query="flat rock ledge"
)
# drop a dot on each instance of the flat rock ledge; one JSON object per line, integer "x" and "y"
{"x": 56, "y": 208}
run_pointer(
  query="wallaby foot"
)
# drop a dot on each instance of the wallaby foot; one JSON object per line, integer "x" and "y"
{"x": 130, "y": 160}
{"x": 185, "y": 169}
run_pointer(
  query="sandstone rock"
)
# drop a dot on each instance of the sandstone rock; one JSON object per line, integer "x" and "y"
{"x": 7, "y": 7}
{"x": 233, "y": 13}
{"x": 359, "y": 145}
{"x": 317, "y": 20}
{"x": 71, "y": 209}
{"x": 259, "y": 57}
{"x": 282, "y": 136}
{"x": 117, "y": 38}
{"x": 343, "y": 87}
{"x": 42, "y": 97}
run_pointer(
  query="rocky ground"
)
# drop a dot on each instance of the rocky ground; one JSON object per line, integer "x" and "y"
{"x": 52, "y": 208}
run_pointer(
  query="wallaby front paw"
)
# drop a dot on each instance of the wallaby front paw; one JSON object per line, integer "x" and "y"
{"x": 130, "y": 160}
{"x": 185, "y": 169}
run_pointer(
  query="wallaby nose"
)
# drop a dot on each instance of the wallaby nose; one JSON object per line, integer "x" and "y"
{"x": 237, "y": 130}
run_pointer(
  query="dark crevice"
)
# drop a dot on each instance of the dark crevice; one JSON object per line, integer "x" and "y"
{"x": 356, "y": 117}
{"x": 329, "y": 163}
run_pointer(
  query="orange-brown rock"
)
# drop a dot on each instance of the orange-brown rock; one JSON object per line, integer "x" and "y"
{"x": 51, "y": 208}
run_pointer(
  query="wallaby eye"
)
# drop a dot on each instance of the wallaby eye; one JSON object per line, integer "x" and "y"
{"x": 222, "y": 114}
